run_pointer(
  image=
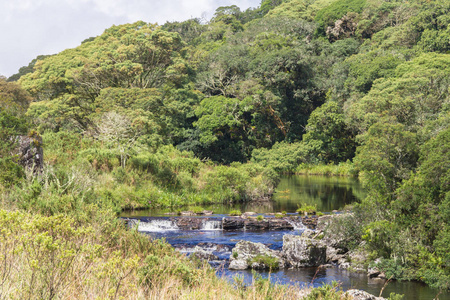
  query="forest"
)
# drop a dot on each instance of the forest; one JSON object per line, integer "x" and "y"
{"x": 196, "y": 112}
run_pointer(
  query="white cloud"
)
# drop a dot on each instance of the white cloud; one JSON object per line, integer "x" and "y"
{"x": 29, "y": 28}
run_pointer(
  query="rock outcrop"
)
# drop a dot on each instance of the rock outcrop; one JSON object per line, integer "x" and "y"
{"x": 361, "y": 295}
{"x": 254, "y": 255}
{"x": 253, "y": 224}
{"x": 30, "y": 152}
{"x": 302, "y": 251}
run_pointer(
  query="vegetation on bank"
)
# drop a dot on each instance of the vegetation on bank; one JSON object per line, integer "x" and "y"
{"x": 191, "y": 113}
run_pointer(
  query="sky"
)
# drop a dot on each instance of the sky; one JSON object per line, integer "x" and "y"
{"x": 29, "y": 28}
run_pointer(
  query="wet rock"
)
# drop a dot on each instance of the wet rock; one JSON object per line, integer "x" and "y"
{"x": 233, "y": 224}
{"x": 300, "y": 251}
{"x": 187, "y": 223}
{"x": 244, "y": 252}
{"x": 187, "y": 213}
{"x": 310, "y": 222}
{"x": 202, "y": 254}
{"x": 361, "y": 295}
{"x": 256, "y": 225}
{"x": 280, "y": 224}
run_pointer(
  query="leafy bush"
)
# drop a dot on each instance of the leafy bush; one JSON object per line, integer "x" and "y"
{"x": 235, "y": 213}
{"x": 306, "y": 209}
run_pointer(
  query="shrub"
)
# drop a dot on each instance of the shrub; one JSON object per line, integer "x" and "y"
{"x": 266, "y": 261}
{"x": 236, "y": 212}
{"x": 306, "y": 209}
{"x": 197, "y": 209}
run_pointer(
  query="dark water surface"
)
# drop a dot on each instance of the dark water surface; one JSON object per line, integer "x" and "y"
{"x": 327, "y": 193}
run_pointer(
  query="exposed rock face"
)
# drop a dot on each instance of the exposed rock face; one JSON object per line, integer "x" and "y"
{"x": 256, "y": 225}
{"x": 253, "y": 224}
{"x": 245, "y": 251}
{"x": 233, "y": 223}
{"x": 300, "y": 251}
{"x": 361, "y": 295}
{"x": 30, "y": 152}
{"x": 310, "y": 222}
{"x": 343, "y": 28}
{"x": 280, "y": 224}
{"x": 188, "y": 223}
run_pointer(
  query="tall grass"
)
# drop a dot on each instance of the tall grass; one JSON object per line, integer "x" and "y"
{"x": 59, "y": 257}
{"x": 342, "y": 169}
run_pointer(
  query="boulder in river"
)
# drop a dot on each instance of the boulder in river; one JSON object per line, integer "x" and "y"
{"x": 254, "y": 255}
{"x": 361, "y": 295}
{"x": 202, "y": 254}
{"x": 299, "y": 251}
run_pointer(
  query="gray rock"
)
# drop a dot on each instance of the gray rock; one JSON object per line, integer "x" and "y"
{"x": 248, "y": 214}
{"x": 361, "y": 295}
{"x": 299, "y": 251}
{"x": 280, "y": 224}
{"x": 30, "y": 152}
{"x": 245, "y": 251}
{"x": 373, "y": 272}
{"x": 202, "y": 254}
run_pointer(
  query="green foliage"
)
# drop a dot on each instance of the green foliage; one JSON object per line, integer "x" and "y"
{"x": 336, "y": 10}
{"x": 269, "y": 262}
{"x": 117, "y": 112}
{"x": 283, "y": 157}
{"x": 196, "y": 209}
{"x": 235, "y": 213}
{"x": 327, "y": 136}
{"x": 327, "y": 291}
{"x": 387, "y": 156}
{"x": 11, "y": 173}
{"x": 306, "y": 209}
{"x": 260, "y": 218}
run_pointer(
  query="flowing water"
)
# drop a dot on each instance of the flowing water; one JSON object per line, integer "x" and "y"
{"x": 327, "y": 193}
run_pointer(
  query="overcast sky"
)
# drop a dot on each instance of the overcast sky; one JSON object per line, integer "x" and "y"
{"x": 29, "y": 28}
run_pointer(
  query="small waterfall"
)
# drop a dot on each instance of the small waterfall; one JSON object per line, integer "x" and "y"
{"x": 157, "y": 225}
{"x": 297, "y": 224}
{"x": 211, "y": 225}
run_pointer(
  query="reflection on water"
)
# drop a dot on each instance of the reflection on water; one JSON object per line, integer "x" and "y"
{"x": 328, "y": 193}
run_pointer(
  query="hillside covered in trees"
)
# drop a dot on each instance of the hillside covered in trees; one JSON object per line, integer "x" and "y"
{"x": 198, "y": 112}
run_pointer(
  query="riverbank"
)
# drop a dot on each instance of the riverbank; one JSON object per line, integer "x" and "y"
{"x": 342, "y": 169}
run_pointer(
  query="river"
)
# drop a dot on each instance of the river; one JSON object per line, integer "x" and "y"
{"x": 326, "y": 193}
